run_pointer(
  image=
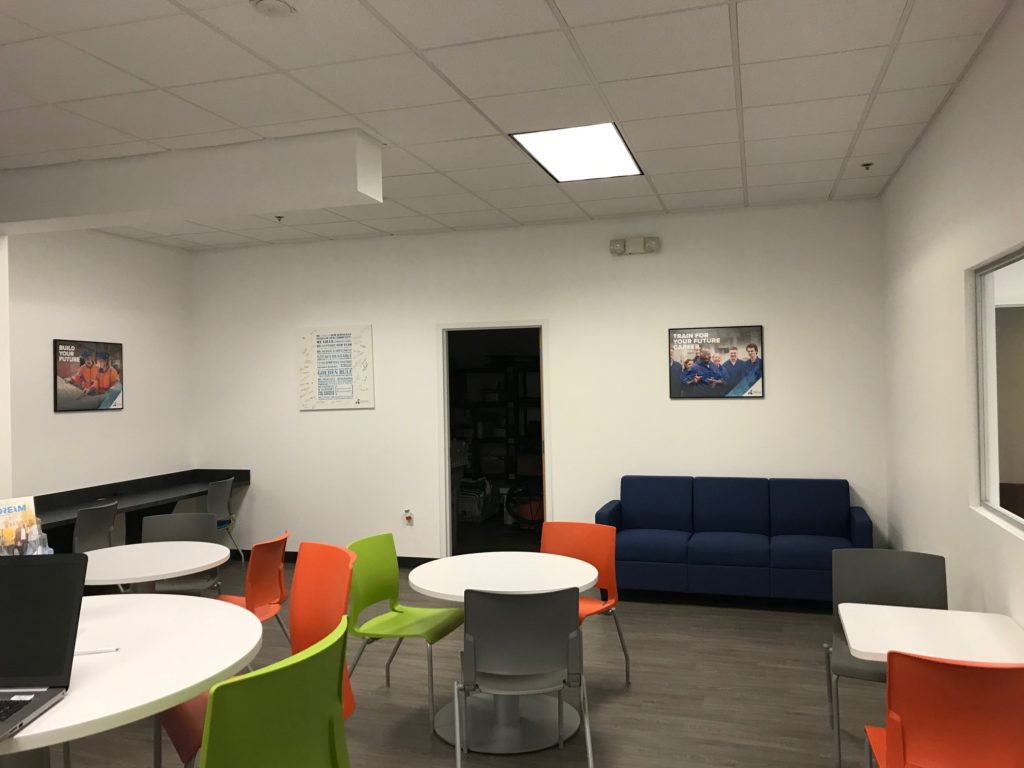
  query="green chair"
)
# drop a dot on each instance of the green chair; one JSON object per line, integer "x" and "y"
{"x": 288, "y": 713}
{"x": 375, "y": 579}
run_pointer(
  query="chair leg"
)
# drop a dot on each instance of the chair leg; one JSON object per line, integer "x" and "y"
{"x": 241, "y": 553}
{"x": 585, "y": 707}
{"x": 622, "y": 641}
{"x": 867, "y": 753}
{"x": 560, "y": 740}
{"x": 283, "y": 629}
{"x": 66, "y": 752}
{"x": 359, "y": 655}
{"x": 828, "y": 684}
{"x": 458, "y": 730}
{"x": 430, "y": 683}
{"x": 387, "y": 667}
{"x": 158, "y": 743}
{"x": 835, "y": 716}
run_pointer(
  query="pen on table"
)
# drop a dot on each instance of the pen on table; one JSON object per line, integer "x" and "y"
{"x": 94, "y": 651}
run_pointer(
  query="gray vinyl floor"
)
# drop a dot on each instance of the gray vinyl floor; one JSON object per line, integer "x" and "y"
{"x": 714, "y": 685}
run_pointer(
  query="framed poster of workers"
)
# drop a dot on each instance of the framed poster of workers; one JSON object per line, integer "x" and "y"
{"x": 716, "y": 362}
{"x": 88, "y": 376}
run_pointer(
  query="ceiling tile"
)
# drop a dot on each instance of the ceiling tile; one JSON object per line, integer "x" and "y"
{"x": 697, "y": 181}
{"x": 205, "y": 5}
{"x": 323, "y": 32}
{"x": 805, "y": 118}
{"x": 126, "y": 149}
{"x": 527, "y": 196}
{"x": 903, "y": 107}
{"x": 463, "y": 21}
{"x": 579, "y": 12}
{"x": 891, "y": 140}
{"x": 323, "y": 125}
{"x": 174, "y": 228}
{"x": 782, "y": 29}
{"x": 176, "y": 50}
{"x": 790, "y": 173}
{"x": 40, "y": 129}
{"x": 790, "y": 193}
{"x": 420, "y": 185}
{"x": 50, "y": 70}
{"x": 543, "y": 110}
{"x": 279, "y": 234}
{"x": 129, "y": 232}
{"x": 34, "y": 159}
{"x": 607, "y": 189}
{"x": 704, "y": 91}
{"x": 932, "y": 19}
{"x": 882, "y": 165}
{"x": 260, "y": 100}
{"x": 681, "y": 131}
{"x": 213, "y": 139}
{"x": 933, "y": 62}
{"x": 12, "y": 30}
{"x": 790, "y": 149}
{"x": 502, "y": 177}
{"x": 398, "y": 162}
{"x": 438, "y": 122}
{"x": 676, "y": 42}
{"x": 219, "y": 238}
{"x": 340, "y": 229}
{"x": 714, "y": 198}
{"x": 10, "y": 99}
{"x": 447, "y": 204}
{"x": 408, "y": 224}
{"x": 172, "y": 242}
{"x": 242, "y": 221}
{"x": 369, "y": 85}
{"x": 681, "y": 159}
{"x": 476, "y": 220}
{"x": 149, "y": 115}
{"x": 812, "y": 77}
{"x": 511, "y": 65}
{"x": 57, "y": 16}
{"x": 623, "y": 206}
{"x": 861, "y": 187}
{"x": 300, "y": 218}
{"x": 389, "y": 209}
{"x": 471, "y": 153}
{"x": 554, "y": 212}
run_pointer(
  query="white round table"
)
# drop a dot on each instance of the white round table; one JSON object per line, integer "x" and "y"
{"x": 504, "y": 725}
{"x": 165, "y": 656}
{"x": 152, "y": 561}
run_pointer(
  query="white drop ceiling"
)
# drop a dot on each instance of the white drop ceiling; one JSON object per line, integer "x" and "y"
{"x": 724, "y": 104}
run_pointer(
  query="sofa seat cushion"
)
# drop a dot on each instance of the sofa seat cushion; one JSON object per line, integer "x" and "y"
{"x": 808, "y": 552}
{"x": 721, "y": 548}
{"x": 651, "y": 545}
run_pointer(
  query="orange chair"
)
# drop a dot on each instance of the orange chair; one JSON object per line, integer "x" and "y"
{"x": 949, "y": 714}
{"x": 595, "y": 544}
{"x": 264, "y": 582}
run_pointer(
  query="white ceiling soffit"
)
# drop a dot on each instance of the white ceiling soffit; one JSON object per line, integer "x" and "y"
{"x": 723, "y": 102}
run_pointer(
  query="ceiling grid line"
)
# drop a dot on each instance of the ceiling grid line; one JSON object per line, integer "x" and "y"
{"x": 734, "y": 34}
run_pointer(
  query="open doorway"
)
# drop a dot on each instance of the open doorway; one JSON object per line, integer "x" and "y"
{"x": 495, "y": 439}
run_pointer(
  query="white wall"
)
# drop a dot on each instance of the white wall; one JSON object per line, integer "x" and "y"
{"x": 6, "y": 474}
{"x": 91, "y": 286}
{"x": 956, "y": 203}
{"x": 811, "y": 275}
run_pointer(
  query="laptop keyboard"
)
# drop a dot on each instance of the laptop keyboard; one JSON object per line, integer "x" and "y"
{"x": 8, "y": 708}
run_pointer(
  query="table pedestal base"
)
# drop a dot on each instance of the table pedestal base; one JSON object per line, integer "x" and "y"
{"x": 508, "y": 725}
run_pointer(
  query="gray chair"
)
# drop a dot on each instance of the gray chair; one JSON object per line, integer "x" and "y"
{"x": 184, "y": 526}
{"x": 218, "y": 502}
{"x": 879, "y": 577}
{"x": 521, "y": 645}
{"x": 94, "y": 527}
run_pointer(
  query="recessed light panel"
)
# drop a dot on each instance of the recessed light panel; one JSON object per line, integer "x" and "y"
{"x": 575, "y": 154}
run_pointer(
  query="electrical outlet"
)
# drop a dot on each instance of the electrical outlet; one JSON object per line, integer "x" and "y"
{"x": 408, "y": 517}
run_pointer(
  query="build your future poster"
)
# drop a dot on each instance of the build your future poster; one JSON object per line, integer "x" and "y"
{"x": 88, "y": 376}
{"x": 716, "y": 362}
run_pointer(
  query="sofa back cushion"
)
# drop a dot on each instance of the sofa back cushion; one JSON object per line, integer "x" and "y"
{"x": 731, "y": 504}
{"x": 810, "y": 507}
{"x": 650, "y": 501}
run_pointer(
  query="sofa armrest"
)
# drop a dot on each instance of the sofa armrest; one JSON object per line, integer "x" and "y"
{"x": 610, "y": 514}
{"x": 861, "y": 533}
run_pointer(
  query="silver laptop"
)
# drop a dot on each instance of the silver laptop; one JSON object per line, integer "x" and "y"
{"x": 40, "y": 601}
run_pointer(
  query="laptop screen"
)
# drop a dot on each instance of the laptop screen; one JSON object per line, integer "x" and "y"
{"x": 40, "y": 601}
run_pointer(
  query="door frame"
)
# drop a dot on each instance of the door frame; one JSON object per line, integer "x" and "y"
{"x": 444, "y": 437}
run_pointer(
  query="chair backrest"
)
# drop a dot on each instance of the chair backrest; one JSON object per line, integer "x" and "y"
{"x": 264, "y": 578}
{"x": 319, "y": 599}
{"x": 94, "y": 527}
{"x": 887, "y": 577}
{"x": 218, "y": 499}
{"x": 287, "y": 713}
{"x": 591, "y": 542}
{"x": 522, "y": 634}
{"x": 950, "y": 713}
{"x": 374, "y": 574}
{"x": 180, "y": 526}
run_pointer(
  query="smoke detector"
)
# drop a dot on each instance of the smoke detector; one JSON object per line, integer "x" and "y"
{"x": 274, "y": 7}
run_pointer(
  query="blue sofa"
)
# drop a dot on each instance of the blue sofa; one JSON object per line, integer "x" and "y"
{"x": 733, "y": 535}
